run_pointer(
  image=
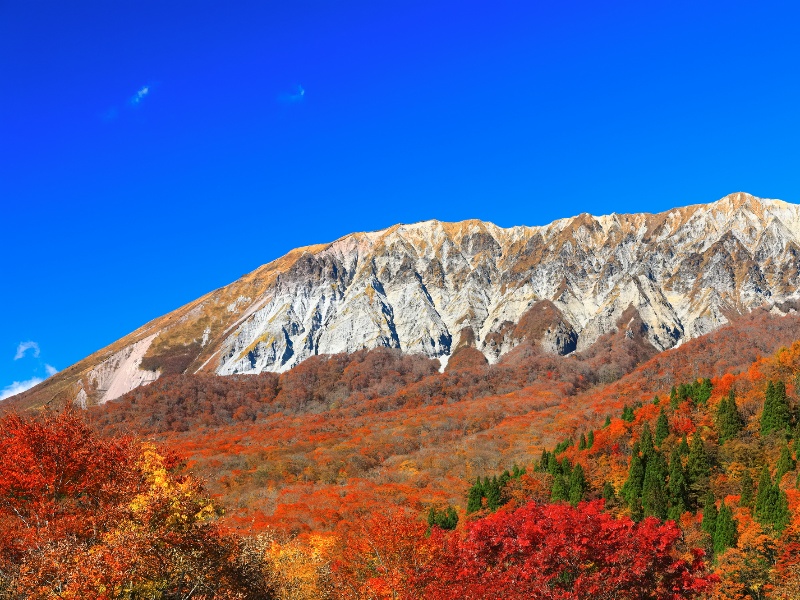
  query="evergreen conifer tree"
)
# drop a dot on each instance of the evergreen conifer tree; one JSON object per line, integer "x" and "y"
{"x": 627, "y": 414}
{"x": 747, "y": 490}
{"x": 475, "y": 498}
{"x": 609, "y": 495}
{"x": 662, "y": 428}
{"x": 785, "y": 463}
{"x": 654, "y": 498}
{"x": 698, "y": 469}
{"x": 590, "y": 439}
{"x": 729, "y": 421}
{"x": 684, "y": 446}
{"x": 577, "y": 485}
{"x": 776, "y": 415}
{"x": 709, "y": 513}
{"x": 725, "y": 533}
{"x": 560, "y": 490}
{"x": 582, "y": 442}
{"x": 674, "y": 400}
{"x": 607, "y": 422}
{"x": 764, "y": 499}
{"x": 632, "y": 489}
{"x": 677, "y": 487}
{"x": 493, "y": 494}
{"x": 646, "y": 442}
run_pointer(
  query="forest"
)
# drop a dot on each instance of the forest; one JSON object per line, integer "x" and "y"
{"x": 612, "y": 473}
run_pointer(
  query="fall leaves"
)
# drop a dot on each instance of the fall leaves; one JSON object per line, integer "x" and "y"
{"x": 86, "y": 517}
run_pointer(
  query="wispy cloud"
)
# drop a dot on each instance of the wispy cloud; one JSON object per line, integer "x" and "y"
{"x": 24, "y": 347}
{"x": 140, "y": 95}
{"x": 18, "y": 387}
{"x": 298, "y": 94}
{"x": 50, "y": 369}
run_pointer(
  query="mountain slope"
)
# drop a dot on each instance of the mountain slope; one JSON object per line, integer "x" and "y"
{"x": 433, "y": 287}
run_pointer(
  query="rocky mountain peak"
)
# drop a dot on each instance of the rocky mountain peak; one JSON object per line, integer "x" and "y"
{"x": 432, "y": 287}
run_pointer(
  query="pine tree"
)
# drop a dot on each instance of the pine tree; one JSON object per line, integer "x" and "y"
{"x": 582, "y": 442}
{"x": 725, "y": 532}
{"x": 560, "y": 490}
{"x": 747, "y": 490}
{"x": 609, "y": 495}
{"x": 702, "y": 391}
{"x": 627, "y": 414}
{"x": 677, "y": 487}
{"x": 729, "y": 421}
{"x": 764, "y": 499}
{"x": 780, "y": 512}
{"x": 772, "y": 505}
{"x": 684, "y": 446}
{"x": 607, "y": 422}
{"x": 709, "y": 513}
{"x": 646, "y": 443}
{"x": 662, "y": 428}
{"x": 590, "y": 439}
{"x": 674, "y": 400}
{"x": 698, "y": 468}
{"x": 776, "y": 415}
{"x": 577, "y": 485}
{"x": 632, "y": 489}
{"x": 785, "y": 463}
{"x": 475, "y": 498}
{"x": 654, "y": 498}
{"x": 493, "y": 500}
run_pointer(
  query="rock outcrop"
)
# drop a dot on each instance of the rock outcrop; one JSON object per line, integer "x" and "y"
{"x": 434, "y": 287}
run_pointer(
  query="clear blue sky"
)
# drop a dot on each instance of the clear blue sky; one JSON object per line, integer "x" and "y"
{"x": 153, "y": 151}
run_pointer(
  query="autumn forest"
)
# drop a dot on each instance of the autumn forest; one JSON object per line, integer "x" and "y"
{"x": 615, "y": 472}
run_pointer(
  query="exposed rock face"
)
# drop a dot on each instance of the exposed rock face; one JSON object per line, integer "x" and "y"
{"x": 432, "y": 287}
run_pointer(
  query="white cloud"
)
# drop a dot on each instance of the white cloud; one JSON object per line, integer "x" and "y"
{"x": 140, "y": 94}
{"x": 297, "y": 95}
{"x": 51, "y": 370}
{"x": 18, "y": 387}
{"x": 24, "y": 347}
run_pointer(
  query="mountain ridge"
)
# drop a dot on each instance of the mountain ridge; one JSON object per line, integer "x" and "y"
{"x": 430, "y": 287}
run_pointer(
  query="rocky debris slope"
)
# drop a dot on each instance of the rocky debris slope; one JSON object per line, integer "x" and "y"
{"x": 434, "y": 287}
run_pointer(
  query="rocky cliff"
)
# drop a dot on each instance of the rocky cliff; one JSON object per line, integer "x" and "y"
{"x": 433, "y": 287}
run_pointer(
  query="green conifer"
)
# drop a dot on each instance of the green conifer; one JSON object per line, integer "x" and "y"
{"x": 747, "y": 490}
{"x": 698, "y": 468}
{"x": 475, "y": 498}
{"x": 709, "y": 513}
{"x": 785, "y": 463}
{"x": 627, "y": 414}
{"x": 646, "y": 442}
{"x": 560, "y": 490}
{"x": 764, "y": 500}
{"x": 577, "y": 485}
{"x": 493, "y": 498}
{"x": 654, "y": 498}
{"x": 607, "y": 422}
{"x": 609, "y": 495}
{"x": 674, "y": 400}
{"x": 725, "y": 533}
{"x": 582, "y": 442}
{"x": 662, "y": 428}
{"x": 776, "y": 415}
{"x": 677, "y": 487}
{"x": 590, "y": 439}
{"x": 632, "y": 489}
{"x": 729, "y": 421}
{"x": 684, "y": 446}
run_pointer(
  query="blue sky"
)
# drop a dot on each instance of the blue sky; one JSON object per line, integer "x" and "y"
{"x": 153, "y": 151}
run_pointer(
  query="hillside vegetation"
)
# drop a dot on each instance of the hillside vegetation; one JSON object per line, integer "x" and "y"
{"x": 373, "y": 475}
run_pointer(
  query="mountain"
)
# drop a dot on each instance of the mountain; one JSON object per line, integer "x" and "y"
{"x": 433, "y": 288}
